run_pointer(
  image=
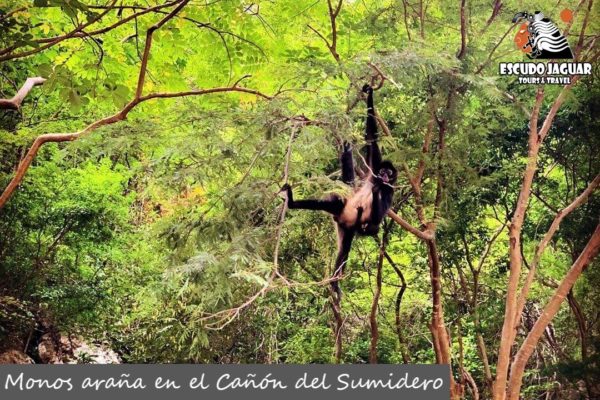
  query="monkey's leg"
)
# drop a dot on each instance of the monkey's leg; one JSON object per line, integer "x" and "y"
{"x": 358, "y": 223}
{"x": 344, "y": 244}
{"x": 334, "y": 205}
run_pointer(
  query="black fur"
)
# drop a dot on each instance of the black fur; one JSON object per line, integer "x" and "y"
{"x": 382, "y": 176}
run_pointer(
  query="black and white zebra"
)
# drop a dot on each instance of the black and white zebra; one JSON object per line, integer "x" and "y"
{"x": 545, "y": 39}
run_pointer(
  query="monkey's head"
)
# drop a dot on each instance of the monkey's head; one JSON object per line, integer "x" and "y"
{"x": 387, "y": 173}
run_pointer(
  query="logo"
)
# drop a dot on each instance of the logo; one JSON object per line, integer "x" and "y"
{"x": 540, "y": 38}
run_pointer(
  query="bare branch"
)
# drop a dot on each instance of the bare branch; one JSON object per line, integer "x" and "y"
{"x": 423, "y": 235}
{"x": 320, "y": 35}
{"x": 488, "y": 247}
{"x": 406, "y": 20}
{"x": 119, "y": 116}
{"x": 241, "y": 79}
{"x": 583, "y": 27}
{"x": 555, "y": 107}
{"x": 489, "y": 58}
{"x": 518, "y": 366}
{"x": 546, "y": 240}
{"x": 15, "y": 102}
{"x": 463, "y": 31}
{"x": 168, "y": 95}
{"x": 333, "y": 13}
{"x": 148, "y": 45}
{"x": 514, "y": 233}
{"x": 495, "y": 11}
{"x": 8, "y": 14}
{"x": 376, "y": 296}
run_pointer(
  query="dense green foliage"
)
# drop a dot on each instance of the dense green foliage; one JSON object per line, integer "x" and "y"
{"x": 138, "y": 231}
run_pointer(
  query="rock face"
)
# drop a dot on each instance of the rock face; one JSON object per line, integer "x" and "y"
{"x": 15, "y": 357}
{"x": 73, "y": 350}
{"x": 48, "y": 350}
{"x": 95, "y": 354}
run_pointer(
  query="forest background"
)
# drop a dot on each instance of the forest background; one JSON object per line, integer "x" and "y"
{"x": 143, "y": 144}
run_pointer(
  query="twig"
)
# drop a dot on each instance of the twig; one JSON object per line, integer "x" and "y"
{"x": 7, "y": 53}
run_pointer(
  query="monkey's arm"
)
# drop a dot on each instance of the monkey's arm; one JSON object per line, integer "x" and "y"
{"x": 347, "y": 162}
{"x": 373, "y": 152}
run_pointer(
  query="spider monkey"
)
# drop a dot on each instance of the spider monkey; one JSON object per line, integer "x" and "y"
{"x": 360, "y": 213}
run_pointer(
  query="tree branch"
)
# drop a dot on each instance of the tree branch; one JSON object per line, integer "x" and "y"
{"x": 463, "y": 31}
{"x": 536, "y": 139}
{"x": 546, "y": 240}
{"x": 6, "y": 54}
{"x": 148, "y": 45}
{"x": 398, "y": 303}
{"x": 119, "y": 116}
{"x": 15, "y": 102}
{"x": 376, "y": 296}
{"x": 518, "y": 366}
{"x": 423, "y": 235}
{"x": 514, "y": 231}
{"x": 495, "y": 11}
{"x": 333, "y": 13}
{"x": 80, "y": 34}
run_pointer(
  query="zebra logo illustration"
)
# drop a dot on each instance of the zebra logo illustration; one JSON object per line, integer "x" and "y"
{"x": 540, "y": 38}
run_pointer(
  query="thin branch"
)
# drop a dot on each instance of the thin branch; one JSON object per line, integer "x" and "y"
{"x": 321, "y": 36}
{"x": 333, "y": 14}
{"x": 583, "y": 27}
{"x": 495, "y": 11}
{"x": 406, "y": 20}
{"x": 463, "y": 31}
{"x": 489, "y": 58}
{"x": 375, "y": 303}
{"x": 6, "y": 54}
{"x": 225, "y": 317}
{"x": 8, "y": 14}
{"x": 403, "y": 349}
{"x": 81, "y": 34}
{"x": 488, "y": 247}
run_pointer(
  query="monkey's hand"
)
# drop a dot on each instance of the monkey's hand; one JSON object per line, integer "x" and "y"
{"x": 285, "y": 192}
{"x": 378, "y": 182}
